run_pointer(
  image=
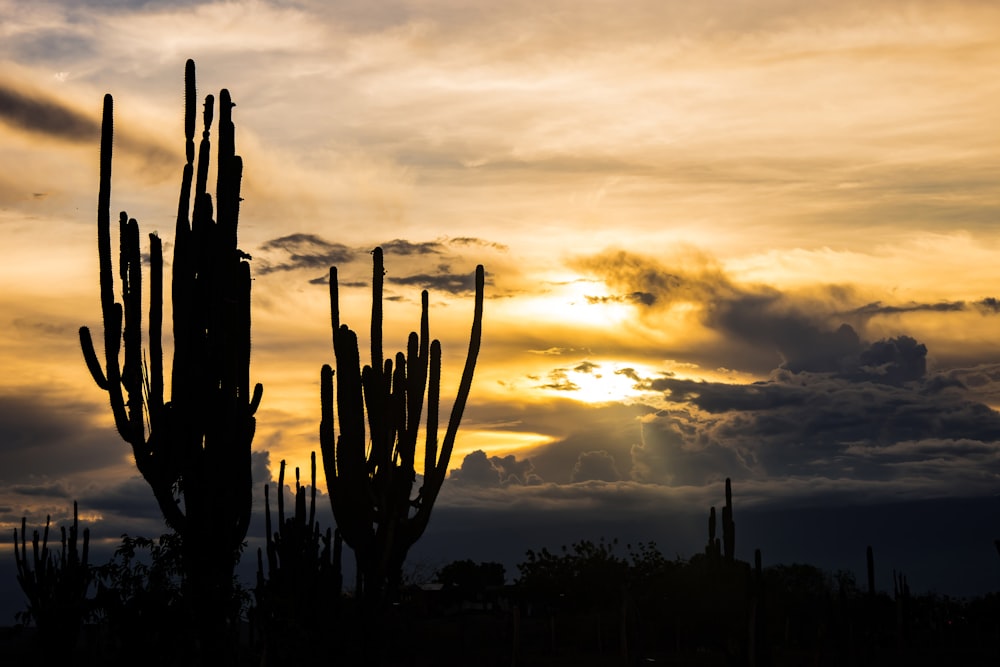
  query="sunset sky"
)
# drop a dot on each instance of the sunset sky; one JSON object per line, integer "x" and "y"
{"x": 743, "y": 238}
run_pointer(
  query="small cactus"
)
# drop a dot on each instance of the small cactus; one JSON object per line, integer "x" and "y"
{"x": 55, "y": 583}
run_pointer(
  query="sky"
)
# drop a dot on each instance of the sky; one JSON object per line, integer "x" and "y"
{"x": 737, "y": 238}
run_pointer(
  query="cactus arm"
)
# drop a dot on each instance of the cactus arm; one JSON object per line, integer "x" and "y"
{"x": 378, "y": 278}
{"x": 312, "y": 493}
{"x": 465, "y": 385}
{"x": 154, "y": 399}
{"x": 90, "y": 356}
{"x": 433, "y": 410}
{"x": 433, "y": 482}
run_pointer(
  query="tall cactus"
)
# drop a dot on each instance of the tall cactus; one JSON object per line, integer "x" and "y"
{"x": 370, "y": 479}
{"x": 193, "y": 450}
{"x": 728, "y": 525}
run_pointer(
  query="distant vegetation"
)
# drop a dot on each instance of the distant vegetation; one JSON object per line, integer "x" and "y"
{"x": 588, "y": 603}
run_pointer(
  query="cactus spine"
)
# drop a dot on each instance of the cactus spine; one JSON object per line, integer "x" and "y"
{"x": 370, "y": 486}
{"x": 193, "y": 450}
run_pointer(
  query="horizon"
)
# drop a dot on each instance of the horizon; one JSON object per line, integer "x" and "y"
{"x": 753, "y": 241}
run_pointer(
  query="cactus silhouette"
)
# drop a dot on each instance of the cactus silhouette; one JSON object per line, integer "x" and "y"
{"x": 193, "y": 450}
{"x": 370, "y": 480}
{"x": 298, "y": 592}
{"x": 55, "y": 583}
{"x": 728, "y": 525}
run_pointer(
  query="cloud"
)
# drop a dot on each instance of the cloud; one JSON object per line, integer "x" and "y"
{"x": 30, "y": 111}
{"x": 826, "y": 424}
{"x": 479, "y": 470}
{"x": 47, "y": 116}
{"x": 595, "y": 466}
{"x": 809, "y": 331}
{"x": 444, "y": 281}
{"x": 558, "y": 380}
{"x": 51, "y": 437}
{"x": 304, "y": 251}
{"x": 404, "y": 248}
{"x": 467, "y": 241}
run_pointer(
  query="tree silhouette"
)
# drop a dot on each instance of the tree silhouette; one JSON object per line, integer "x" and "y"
{"x": 193, "y": 450}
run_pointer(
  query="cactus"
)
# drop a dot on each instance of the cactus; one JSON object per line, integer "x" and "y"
{"x": 712, "y": 548}
{"x": 728, "y": 525}
{"x": 870, "y": 558}
{"x": 56, "y": 584}
{"x": 193, "y": 450}
{"x": 370, "y": 480}
{"x": 301, "y": 591}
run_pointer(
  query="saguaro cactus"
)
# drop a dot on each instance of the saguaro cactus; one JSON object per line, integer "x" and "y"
{"x": 370, "y": 480}
{"x": 193, "y": 450}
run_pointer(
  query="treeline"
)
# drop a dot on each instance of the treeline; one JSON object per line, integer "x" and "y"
{"x": 599, "y": 603}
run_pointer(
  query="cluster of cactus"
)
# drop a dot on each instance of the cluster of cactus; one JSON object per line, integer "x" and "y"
{"x": 370, "y": 479}
{"x": 55, "y": 583}
{"x": 298, "y": 592}
{"x": 715, "y": 550}
{"x": 193, "y": 450}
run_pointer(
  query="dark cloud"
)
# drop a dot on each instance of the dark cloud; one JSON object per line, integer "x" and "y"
{"x": 33, "y": 112}
{"x": 630, "y": 373}
{"x": 56, "y": 490}
{"x": 640, "y": 298}
{"x": 304, "y": 251}
{"x": 831, "y": 425}
{"x": 558, "y": 380}
{"x": 586, "y": 367}
{"x": 878, "y": 308}
{"x": 989, "y": 305}
{"x": 476, "y": 470}
{"x": 43, "y": 115}
{"x": 894, "y": 361}
{"x": 52, "y": 437}
{"x": 595, "y": 466}
{"x": 404, "y": 248}
{"x": 444, "y": 281}
{"x": 472, "y": 241}
{"x": 514, "y": 471}
{"x": 479, "y": 470}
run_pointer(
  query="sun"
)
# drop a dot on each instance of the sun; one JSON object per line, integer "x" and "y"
{"x": 597, "y": 381}
{"x": 577, "y": 302}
